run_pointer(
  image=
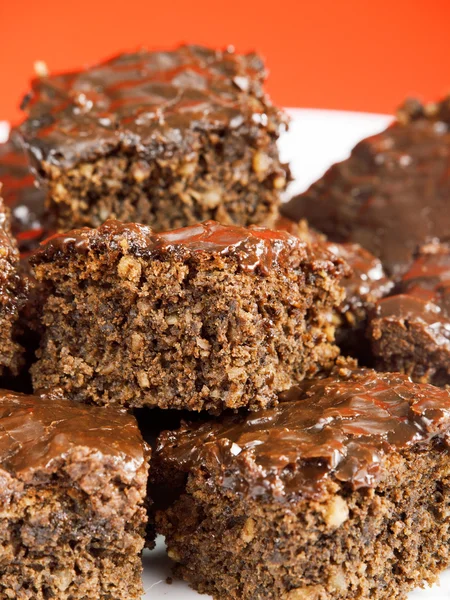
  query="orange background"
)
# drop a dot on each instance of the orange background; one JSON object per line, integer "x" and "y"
{"x": 345, "y": 54}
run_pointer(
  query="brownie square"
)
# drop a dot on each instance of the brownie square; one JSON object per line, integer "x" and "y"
{"x": 391, "y": 195}
{"x": 410, "y": 330}
{"x": 167, "y": 139}
{"x": 204, "y": 317}
{"x": 30, "y": 221}
{"x": 364, "y": 286}
{"x": 73, "y": 484}
{"x": 340, "y": 492}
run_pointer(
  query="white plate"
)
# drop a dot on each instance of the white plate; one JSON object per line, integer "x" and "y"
{"x": 316, "y": 139}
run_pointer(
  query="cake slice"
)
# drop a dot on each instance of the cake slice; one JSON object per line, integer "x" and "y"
{"x": 73, "y": 485}
{"x": 167, "y": 139}
{"x": 391, "y": 195}
{"x": 203, "y": 318}
{"x": 340, "y": 492}
{"x": 410, "y": 330}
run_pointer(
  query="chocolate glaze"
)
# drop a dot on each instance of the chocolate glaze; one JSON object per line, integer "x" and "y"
{"x": 143, "y": 100}
{"x": 391, "y": 195}
{"x": 37, "y": 432}
{"x": 30, "y": 223}
{"x": 254, "y": 248}
{"x": 339, "y": 428}
{"x": 423, "y": 294}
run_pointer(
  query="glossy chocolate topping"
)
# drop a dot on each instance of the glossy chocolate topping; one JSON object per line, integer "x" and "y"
{"x": 391, "y": 195}
{"x": 143, "y": 100}
{"x": 29, "y": 222}
{"x": 37, "y": 432}
{"x": 254, "y": 248}
{"x": 341, "y": 427}
{"x": 423, "y": 293}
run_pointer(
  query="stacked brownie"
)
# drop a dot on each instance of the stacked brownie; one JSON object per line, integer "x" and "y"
{"x": 170, "y": 280}
{"x": 72, "y": 500}
{"x": 391, "y": 195}
{"x": 162, "y": 138}
{"x": 340, "y": 491}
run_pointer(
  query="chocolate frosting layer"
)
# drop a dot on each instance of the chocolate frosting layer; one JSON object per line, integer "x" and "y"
{"x": 29, "y": 222}
{"x": 143, "y": 100}
{"x": 391, "y": 195}
{"x": 340, "y": 428}
{"x": 37, "y": 432}
{"x": 254, "y": 248}
{"x": 423, "y": 294}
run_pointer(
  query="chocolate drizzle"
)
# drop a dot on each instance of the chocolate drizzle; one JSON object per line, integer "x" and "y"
{"x": 340, "y": 428}
{"x": 134, "y": 99}
{"x": 254, "y": 248}
{"x": 37, "y": 432}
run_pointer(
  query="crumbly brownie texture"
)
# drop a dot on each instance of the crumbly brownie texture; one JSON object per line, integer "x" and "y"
{"x": 364, "y": 286}
{"x": 391, "y": 195}
{"x": 167, "y": 139}
{"x": 410, "y": 330}
{"x": 204, "y": 317}
{"x": 73, "y": 484}
{"x": 13, "y": 294}
{"x": 30, "y": 223}
{"x": 339, "y": 492}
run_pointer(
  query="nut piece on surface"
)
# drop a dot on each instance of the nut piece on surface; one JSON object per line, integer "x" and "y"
{"x": 312, "y": 592}
{"x": 129, "y": 268}
{"x": 248, "y": 531}
{"x": 336, "y": 512}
